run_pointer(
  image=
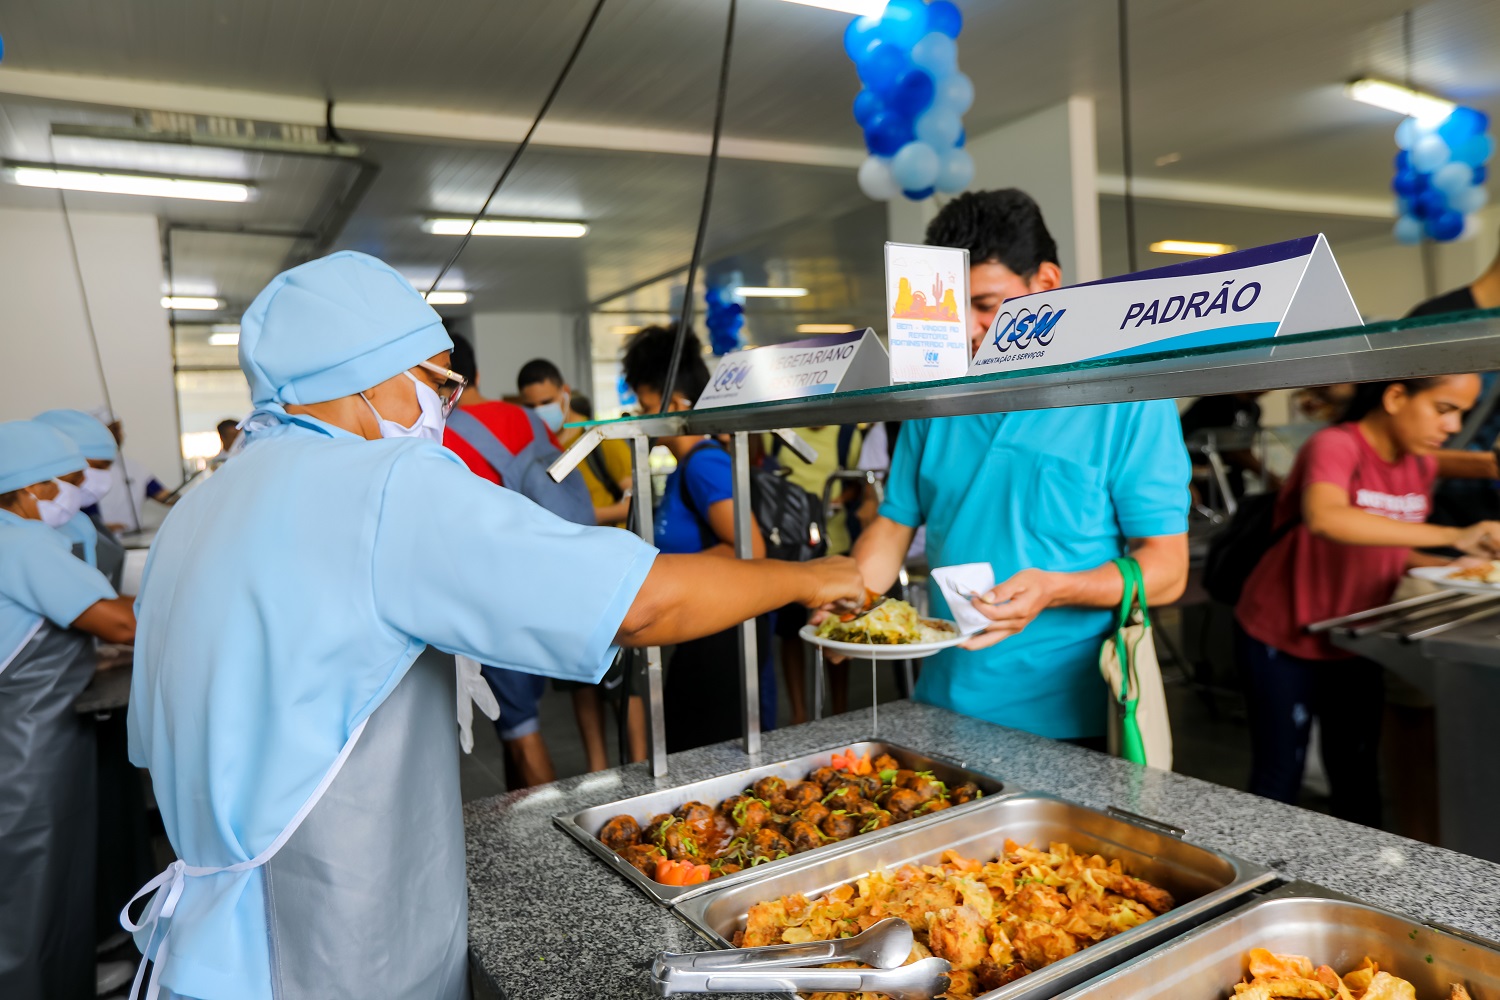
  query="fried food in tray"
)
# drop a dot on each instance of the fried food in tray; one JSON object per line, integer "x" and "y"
{"x": 994, "y": 922}
{"x": 1483, "y": 573}
{"x": 892, "y": 623}
{"x": 772, "y": 819}
{"x": 1274, "y": 976}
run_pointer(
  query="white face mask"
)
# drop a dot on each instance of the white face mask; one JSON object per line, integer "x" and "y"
{"x": 429, "y": 425}
{"x": 96, "y": 483}
{"x": 61, "y": 509}
{"x": 554, "y": 414}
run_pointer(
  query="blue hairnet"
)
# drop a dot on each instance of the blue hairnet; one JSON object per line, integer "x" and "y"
{"x": 333, "y": 327}
{"x": 34, "y": 453}
{"x": 91, "y": 437}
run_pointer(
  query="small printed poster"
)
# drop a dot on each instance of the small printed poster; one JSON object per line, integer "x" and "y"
{"x": 927, "y": 308}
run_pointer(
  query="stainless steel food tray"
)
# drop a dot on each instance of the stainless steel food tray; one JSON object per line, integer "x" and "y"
{"x": 585, "y": 824}
{"x": 1204, "y": 882}
{"x": 1304, "y": 919}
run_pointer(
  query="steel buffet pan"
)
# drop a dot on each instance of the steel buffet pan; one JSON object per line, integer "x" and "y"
{"x": 584, "y": 825}
{"x": 1304, "y": 919}
{"x": 1205, "y": 883}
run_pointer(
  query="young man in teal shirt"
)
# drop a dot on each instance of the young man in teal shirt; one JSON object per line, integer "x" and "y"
{"x": 1047, "y": 497}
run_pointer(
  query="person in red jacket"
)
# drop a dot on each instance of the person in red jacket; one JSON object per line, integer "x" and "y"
{"x": 1347, "y": 521}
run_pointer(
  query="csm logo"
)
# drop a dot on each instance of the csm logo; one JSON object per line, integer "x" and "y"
{"x": 1021, "y": 328}
{"x": 731, "y": 377}
{"x": 930, "y": 358}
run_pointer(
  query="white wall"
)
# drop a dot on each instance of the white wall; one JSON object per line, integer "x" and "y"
{"x": 503, "y": 342}
{"x": 45, "y": 351}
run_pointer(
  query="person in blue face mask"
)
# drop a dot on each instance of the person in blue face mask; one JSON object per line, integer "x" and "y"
{"x": 52, "y": 606}
{"x": 289, "y": 696}
{"x": 101, "y": 549}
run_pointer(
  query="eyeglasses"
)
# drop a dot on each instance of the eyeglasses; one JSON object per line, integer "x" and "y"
{"x": 452, "y": 388}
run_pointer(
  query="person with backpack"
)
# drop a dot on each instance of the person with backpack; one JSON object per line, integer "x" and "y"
{"x": 1343, "y": 532}
{"x": 511, "y": 446}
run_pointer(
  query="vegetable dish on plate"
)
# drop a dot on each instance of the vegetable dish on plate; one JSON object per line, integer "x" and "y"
{"x": 891, "y": 623}
{"x": 1294, "y": 976}
{"x": 994, "y": 922}
{"x": 772, "y": 819}
{"x": 1488, "y": 572}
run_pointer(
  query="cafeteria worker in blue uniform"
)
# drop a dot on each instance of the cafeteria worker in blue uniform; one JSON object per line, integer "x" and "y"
{"x": 101, "y": 549}
{"x": 52, "y": 606}
{"x": 1047, "y": 497}
{"x": 299, "y": 731}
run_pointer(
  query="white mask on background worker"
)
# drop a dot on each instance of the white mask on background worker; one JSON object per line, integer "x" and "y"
{"x": 95, "y": 442}
{"x": 62, "y": 508}
{"x": 429, "y": 425}
{"x": 96, "y": 483}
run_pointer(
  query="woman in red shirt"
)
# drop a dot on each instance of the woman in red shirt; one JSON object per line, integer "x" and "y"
{"x": 1362, "y": 490}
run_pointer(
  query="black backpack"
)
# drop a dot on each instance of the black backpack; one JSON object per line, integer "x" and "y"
{"x": 1236, "y": 550}
{"x": 790, "y": 518}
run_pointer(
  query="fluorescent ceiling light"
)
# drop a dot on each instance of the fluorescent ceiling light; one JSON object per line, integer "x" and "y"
{"x": 508, "y": 227}
{"x": 626, "y": 331}
{"x": 1402, "y": 100}
{"x": 193, "y": 302}
{"x": 224, "y": 339}
{"x": 753, "y": 292}
{"x": 1190, "y": 248}
{"x": 826, "y": 328}
{"x": 75, "y": 179}
{"x": 447, "y": 298}
{"x": 871, "y": 8}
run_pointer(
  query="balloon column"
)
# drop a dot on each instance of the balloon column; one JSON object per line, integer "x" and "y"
{"x": 913, "y": 101}
{"x": 1440, "y": 174}
{"x": 725, "y": 315}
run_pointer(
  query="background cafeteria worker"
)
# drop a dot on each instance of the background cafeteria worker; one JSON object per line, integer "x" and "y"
{"x": 51, "y": 607}
{"x": 300, "y": 743}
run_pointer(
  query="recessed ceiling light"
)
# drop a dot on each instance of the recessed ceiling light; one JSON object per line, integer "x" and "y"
{"x": 1402, "y": 100}
{"x": 756, "y": 292}
{"x": 75, "y": 179}
{"x": 869, "y": 8}
{"x": 226, "y": 339}
{"x": 1191, "y": 248}
{"x": 1168, "y": 159}
{"x": 191, "y": 302}
{"x": 508, "y": 227}
{"x": 447, "y": 298}
{"x": 826, "y": 328}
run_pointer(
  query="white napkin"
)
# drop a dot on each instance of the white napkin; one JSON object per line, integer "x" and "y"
{"x": 976, "y": 578}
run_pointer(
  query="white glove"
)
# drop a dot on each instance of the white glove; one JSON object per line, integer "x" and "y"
{"x": 472, "y": 690}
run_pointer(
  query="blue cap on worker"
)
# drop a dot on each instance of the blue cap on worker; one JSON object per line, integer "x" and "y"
{"x": 333, "y": 327}
{"x": 32, "y": 453}
{"x": 91, "y": 436}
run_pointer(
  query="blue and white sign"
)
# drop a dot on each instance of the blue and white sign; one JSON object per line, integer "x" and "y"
{"x": 811, "y": 367}
{"x": 1277, "y": 290}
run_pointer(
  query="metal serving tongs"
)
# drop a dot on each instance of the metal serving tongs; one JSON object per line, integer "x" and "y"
{"x": 792, "y": 967}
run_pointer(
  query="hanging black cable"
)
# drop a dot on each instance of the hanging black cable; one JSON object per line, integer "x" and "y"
{"x": 525, "y": 141}
{"x": 684, "y": 321}
{"x": 1125, "y": 144}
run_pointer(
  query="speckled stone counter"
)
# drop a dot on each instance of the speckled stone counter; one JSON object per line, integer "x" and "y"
{"x": 547, "y": 919}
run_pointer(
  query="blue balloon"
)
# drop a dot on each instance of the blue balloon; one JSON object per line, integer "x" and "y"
{"x": 939, "y": 128}
{"x": 858, "y": 36}
{"x": 956, "y": 93}
{"x": 1408, "y": 132}
{"x": 1403, "y": 161}
{"x": 1475, "y": 151}
{"x": 1429, "y": 153}
{"x": 1408, "y": 230}
{"x": 1447, "y": 226}
{"x": 921, "y": 195}
{"x": 1463, "y": 123}
{"x": 1481, "y": 174}
{"x": 945, "y": 17}
{"x": 1430, "y": 204}
{"x": 888, "y": 133}
{"x": 937, "y": 54}
{"x": 1408, "y": 183}
{"x": 1470, "y": 200}
{"x": 867, "y": 105}
{"x": 904, "y": 22}
{"x": 913, "y": 93}
{"x": 880, "y": 65}
{"x": 915, "y": 166}
{"x": 963, "y": 139}
{"x": 956, "y": 171}
{"x": 1453, "y": 178}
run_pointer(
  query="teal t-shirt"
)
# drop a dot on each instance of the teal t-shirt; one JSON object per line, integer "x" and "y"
{"x": 1057, "y": 490}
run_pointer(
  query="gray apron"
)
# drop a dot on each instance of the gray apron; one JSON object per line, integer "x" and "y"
{"x": 47, "y": 820}
{"x": 368, "y": 898}
{"x": 109, "y": 554}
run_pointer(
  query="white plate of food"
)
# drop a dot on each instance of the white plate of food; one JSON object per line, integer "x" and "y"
{"x": 1482, "y": 579}
{"x": 893, "y": 631}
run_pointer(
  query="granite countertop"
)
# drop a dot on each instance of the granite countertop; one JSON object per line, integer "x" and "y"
{"x": 548, "y": 919}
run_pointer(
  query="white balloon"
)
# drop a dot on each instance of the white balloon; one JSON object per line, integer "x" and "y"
{"x": 956, "y": 93}
{"x": 1407, "y": 133}
{"x": 1430, "y": 153}
{"x": 956, "y": 171}
{"x": 1408, "y": 230}
{"x": 1453, "y": 178}
{"x": 915, "y": 166}
{"x": 939, "y": 127}
{"x": 937, "y": 54}
{"x": 875, "y": 179}
{"x": 1469, "y": 200}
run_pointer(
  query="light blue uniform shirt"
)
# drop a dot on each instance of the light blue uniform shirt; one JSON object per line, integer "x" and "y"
{"x": 81, "y": 531}
{"x": 283, "y": 601}
{"x": 40, "y": 579}
{"x": 1054, "y": 490}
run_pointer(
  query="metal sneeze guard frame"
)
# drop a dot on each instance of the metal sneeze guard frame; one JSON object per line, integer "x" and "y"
{"x": 1424, "y": 346}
